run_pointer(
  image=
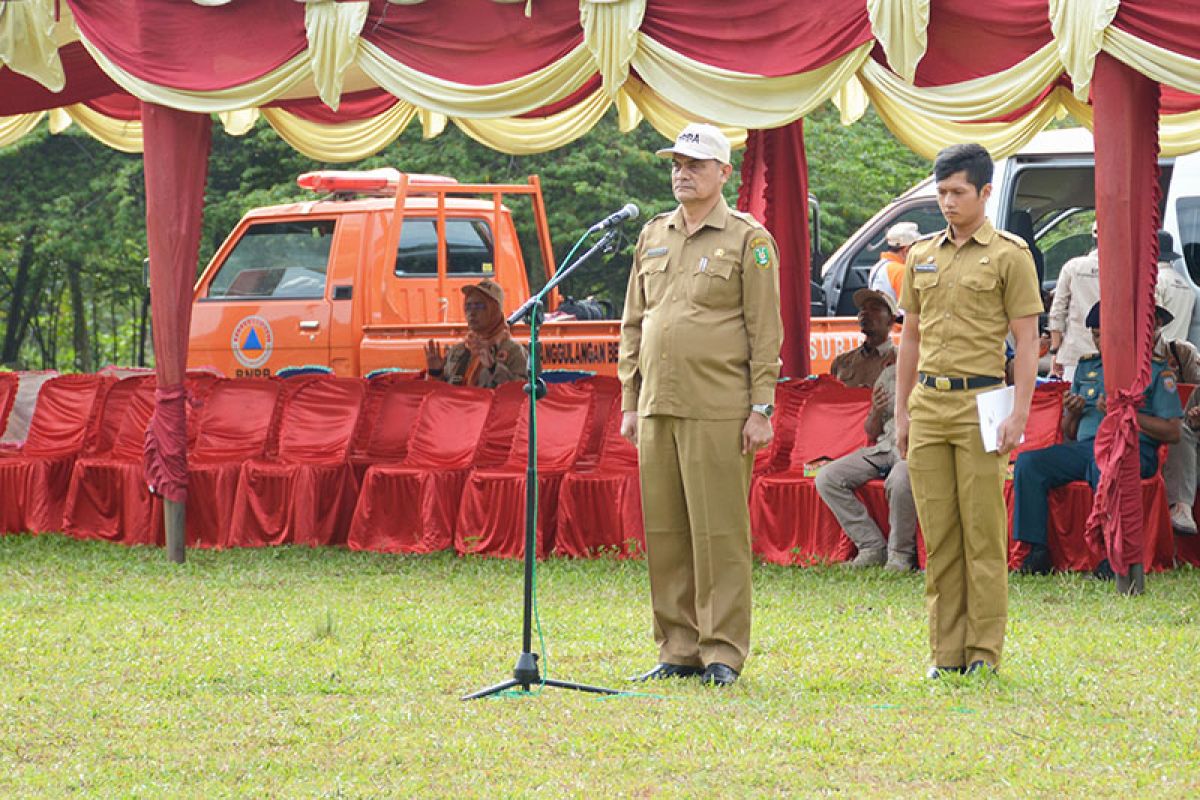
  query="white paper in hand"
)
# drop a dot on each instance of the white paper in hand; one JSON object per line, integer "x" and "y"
{"x": 994, "y": 407}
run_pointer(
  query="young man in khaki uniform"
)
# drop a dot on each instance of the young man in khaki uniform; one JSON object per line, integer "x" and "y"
{"x": 699, "y": 359}
{"x": 965, "y": 288}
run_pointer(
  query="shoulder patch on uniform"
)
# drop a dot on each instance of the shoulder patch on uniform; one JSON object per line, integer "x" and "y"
{"x": 1012, "y": 237}
{"x": 760, "y": 247}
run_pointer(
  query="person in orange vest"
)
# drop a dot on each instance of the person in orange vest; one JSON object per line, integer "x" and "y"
{"x": 887, "y": 275}
{"x": 488, "y": 356}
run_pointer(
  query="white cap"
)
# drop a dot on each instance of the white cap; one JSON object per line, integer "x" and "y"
{"x": 902, "y": 234}
{"x": 701, "y": 141}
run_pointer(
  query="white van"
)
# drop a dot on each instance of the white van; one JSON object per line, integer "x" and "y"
{"x": 1047, "y": 192}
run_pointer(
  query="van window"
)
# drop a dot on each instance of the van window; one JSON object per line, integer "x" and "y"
{"x": 928, "y": 218}
{"x": 468, "y": 247}
{"x": 277, "y": 259}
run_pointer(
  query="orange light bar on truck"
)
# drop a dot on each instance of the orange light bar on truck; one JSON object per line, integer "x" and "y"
{"x": 373, "y": 181}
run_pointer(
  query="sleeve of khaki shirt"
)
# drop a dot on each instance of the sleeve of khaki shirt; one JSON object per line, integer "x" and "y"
{"x": 1022, "y": 294}
{"x": 764, "y": 325}
{"x": 631, "y": 334}
{"x": 909, "y": 299}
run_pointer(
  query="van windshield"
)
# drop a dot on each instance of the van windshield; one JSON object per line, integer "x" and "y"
{"x": 276, "y": 260}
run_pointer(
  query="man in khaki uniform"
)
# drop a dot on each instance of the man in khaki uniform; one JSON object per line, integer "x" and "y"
{"x": 964, "y": 289}
{"x": 699, "y": 359}
{"x": 862, "y": 365}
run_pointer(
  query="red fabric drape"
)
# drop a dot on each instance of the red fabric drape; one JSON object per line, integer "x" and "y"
{"x": 476, "y": 42}
{"x": 176, "y": 164}
{"x": 775, "y": 189}
{"x": 85, "y": 81}
{"x": 193, "y": 47}
{"x": 1172, "y": 25}
{"x": 761, "y": 37}
{"x": 1127, "y": 214}
{"x": 968, "y": 39}
{"x": 9, "y": 382}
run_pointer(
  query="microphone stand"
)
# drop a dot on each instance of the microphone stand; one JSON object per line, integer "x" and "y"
{"x": 526, "y": 673}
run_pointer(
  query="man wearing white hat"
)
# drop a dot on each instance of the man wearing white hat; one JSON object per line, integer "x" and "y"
{"x": 699, "y": 359}
{"x": 887, "y": 275}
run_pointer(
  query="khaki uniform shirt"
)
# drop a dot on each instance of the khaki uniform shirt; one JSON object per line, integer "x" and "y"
{"x": 886, "y": 383}
{"x": 1173, "y": 292}
{"x": 1077, "y": 290}
{"x": 701, "y": 332}
{"x": 966, "y": 296}
{"x": 509, "y": 364}
{"x": 862, "y": 365}
{"x": 1181, "y": 356}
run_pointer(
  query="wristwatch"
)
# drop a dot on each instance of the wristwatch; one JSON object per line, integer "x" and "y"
{"x": 766, "y": 409}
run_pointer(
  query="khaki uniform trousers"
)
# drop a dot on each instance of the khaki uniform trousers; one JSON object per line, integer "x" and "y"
{"x": 695, "y": 503}
{"x": 837, "y": 483}
{"x": 958, "y": 489}
{"x": 1181, "y": 468}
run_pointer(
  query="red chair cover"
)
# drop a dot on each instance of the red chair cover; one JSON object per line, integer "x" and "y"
{"x": 411, "y": 507}
{"x": 491, "y": 520}
{"x": 818, "y": 419}
{"x": 29, "y": 384}
{"x": 34, "y": 480}
{"x": 232, "y": 426}
{"x": 390, "y": 412}
{"x": 600, "y": 505}
{"x": 1071, "y": 550}
{"x": 306, "y": 495}
{"x": 1044, "y": 426}
{"x": 108, "y": 497}
{"x": 8, "y": 396}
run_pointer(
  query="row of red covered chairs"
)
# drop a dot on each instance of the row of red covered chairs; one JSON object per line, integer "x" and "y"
{"x": 392, "y": 464}
{"x": 399, "y": 465}
{"x": 823, "y": 418}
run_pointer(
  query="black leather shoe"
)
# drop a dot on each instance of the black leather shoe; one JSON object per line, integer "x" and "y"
{"x": 981, "y": 667}
{"x": 1103, "y": 571}
{"x": 665, "y": 670}
{"x": 718, "y": 674}
{"x": 935, "y": 673}
{"x": 1037, "y": 561}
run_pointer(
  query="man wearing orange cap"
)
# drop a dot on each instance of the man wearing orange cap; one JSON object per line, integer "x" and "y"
{"x": 489, "y": 356}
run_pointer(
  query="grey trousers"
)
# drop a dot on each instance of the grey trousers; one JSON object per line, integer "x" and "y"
{"x": 1180, "y": 468}
{"x": 836, "y": 483}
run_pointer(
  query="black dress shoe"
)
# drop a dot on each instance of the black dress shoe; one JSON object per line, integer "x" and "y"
{"x": 665, "y": 670}
{"x": 935, "y": 673}
{"x": 1103, "y": 571}
{"x": 1037, "y": 561}
{"x": 718, "y": 674}
{"x": 981, "y": 667}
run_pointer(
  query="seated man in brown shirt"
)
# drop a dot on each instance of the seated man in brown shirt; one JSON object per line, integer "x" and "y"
{"x": 862, "y": 365}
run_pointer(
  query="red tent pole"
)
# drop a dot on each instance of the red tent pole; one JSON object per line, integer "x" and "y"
{"x": 1127, "y": 216}
{"x": 775, "y": 190}
{"x": 177, "y": 145}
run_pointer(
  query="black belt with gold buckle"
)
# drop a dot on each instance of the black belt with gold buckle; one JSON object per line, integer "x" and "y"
{"x": 945, "y": 384}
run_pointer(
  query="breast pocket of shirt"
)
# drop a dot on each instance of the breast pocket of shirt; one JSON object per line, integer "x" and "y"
{"x": 716, "y": 283}
{"x": 653, "y": 274}
{"x": 980, "y": 296}
{"x": 924, "y": 283}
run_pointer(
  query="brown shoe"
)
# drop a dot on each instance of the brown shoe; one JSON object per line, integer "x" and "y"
{"x": 869, "y": 557}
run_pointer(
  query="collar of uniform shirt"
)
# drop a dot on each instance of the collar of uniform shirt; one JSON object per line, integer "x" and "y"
{"x": 715, "y": 219}
{"x": 884, "y": 348}
{"x": 983, "y": 234}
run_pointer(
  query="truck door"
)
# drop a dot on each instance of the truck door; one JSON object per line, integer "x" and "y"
{"x": 265, "y": 306}
{"x": 417, "y": 293}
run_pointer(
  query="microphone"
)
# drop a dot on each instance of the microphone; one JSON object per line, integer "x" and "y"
{"x": 630, "y": 211}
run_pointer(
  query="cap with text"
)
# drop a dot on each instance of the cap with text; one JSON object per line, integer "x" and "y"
{"x": 700, "y": 141}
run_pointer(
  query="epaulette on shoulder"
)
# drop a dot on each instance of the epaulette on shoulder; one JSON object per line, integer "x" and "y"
{"x": 1012, "y": 237}
{"x": 925, "y": 237}
{"x": 746, "y": 217}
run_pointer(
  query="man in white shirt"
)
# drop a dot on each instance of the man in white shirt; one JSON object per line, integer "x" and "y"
{"x": 1173, "y": 291}
{"x": 1078, "y": 289}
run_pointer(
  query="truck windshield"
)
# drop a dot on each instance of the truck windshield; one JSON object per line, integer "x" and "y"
{"x": 276, "y": 259}
{"x": 468, "y": 247}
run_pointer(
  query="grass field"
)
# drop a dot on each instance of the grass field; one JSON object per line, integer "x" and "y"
{"x": 325, "y": 673}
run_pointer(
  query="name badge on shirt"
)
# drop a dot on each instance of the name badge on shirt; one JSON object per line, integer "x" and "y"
{"x": 925, "y": 268}
{"x": 656, "y": 251}
{"x": 704, "y": 264}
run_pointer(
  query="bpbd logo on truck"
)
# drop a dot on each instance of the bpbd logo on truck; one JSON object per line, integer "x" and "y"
{"x": 252, "y": 342}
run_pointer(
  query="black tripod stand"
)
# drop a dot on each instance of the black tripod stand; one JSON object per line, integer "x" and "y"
{"x": 526, "y": 673}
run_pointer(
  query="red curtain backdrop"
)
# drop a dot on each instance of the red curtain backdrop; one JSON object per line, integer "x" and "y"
{"x": 969, "y": 39}
{"x": 775, "y": 190}
{"x": 1127, "y": 218}
{"x": 194, "y": 47}
{"x": 176, "y": 164}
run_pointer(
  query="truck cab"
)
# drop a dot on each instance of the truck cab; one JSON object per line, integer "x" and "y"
{"x": 361, "y": 278}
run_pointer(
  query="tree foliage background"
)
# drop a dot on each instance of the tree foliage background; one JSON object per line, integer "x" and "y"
{"x": 72, "y": 227}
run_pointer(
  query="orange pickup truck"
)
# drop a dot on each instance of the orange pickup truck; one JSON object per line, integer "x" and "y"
{"x": 362, "y": 277}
